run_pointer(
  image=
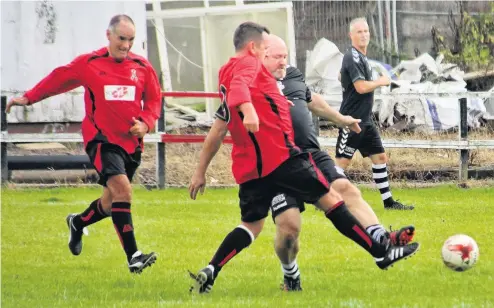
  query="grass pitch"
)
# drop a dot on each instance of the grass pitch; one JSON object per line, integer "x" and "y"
{"x": 39, "y": 271}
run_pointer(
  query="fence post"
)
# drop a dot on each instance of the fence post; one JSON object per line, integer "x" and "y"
{"x": 463, "y": 136}
{"x": 160, "y": 149}
{"x": 4, "y": 163}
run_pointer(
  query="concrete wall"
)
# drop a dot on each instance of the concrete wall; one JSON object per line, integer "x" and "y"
{"x": 416, "y": 18}
{"x": 38, "y": 36}
{"x": 329, "y": 19}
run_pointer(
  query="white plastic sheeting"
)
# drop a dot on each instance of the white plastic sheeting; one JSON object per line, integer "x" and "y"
{"x": 421, "y": 75}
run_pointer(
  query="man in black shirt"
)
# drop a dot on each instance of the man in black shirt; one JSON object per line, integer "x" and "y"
{"x": 285, "y": 209}
{"x": 358, "y": 98}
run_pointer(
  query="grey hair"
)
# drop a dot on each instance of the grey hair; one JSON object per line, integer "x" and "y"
{"x": 115, "y": 20}
{"x": 356, "y": 20}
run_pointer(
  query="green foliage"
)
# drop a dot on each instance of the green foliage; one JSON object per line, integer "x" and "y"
{"x": 473, "y": 46}
{"x": 199, "y": 107}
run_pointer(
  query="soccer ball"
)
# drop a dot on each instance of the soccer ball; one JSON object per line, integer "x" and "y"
{"x": 460, "y": 252}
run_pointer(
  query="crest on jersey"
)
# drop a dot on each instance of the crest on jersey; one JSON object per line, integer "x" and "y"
{"x": 224, "y": 105}
{"x": 133, "y": 75}
{"x": 355, "y": 55}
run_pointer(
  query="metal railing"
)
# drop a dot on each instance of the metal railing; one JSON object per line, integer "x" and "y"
{"x": 463, "y": 145}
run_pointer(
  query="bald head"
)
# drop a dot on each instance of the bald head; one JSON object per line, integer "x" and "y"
{"x": 276, "y": 56}
{"x": 276, "y": 42}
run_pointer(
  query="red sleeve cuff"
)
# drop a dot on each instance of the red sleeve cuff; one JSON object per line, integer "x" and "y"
{"x": 238, "y": 96}
{"x": 30, "y": 97}
{"x": 148, "y": 119}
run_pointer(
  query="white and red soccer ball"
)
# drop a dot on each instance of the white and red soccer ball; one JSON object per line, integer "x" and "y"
{"x": 460, "y": 252}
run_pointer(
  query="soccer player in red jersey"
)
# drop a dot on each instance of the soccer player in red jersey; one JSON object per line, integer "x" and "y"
{"x": 116, "y": 81}
{"x": 266, "y": 160}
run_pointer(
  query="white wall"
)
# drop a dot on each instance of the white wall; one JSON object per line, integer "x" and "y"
{"x": 35, "y": 39}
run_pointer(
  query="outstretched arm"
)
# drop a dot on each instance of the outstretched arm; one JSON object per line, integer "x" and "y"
{"x": 60, "y": 80}
{"x": 211, "y": 146}
{"x": 320, "y": 108}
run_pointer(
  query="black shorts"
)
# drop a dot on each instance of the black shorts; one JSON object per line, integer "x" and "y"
{"x": 109, "y": 159}
{"x": 368, "y": 142}
{"x": 282, "y": 202}
{"x": 298, "y": 177}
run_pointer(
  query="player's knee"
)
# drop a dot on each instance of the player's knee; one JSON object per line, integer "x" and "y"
{"x": 122, "y": 193}
{"x": 342, "y": 162}
{"x": 329, "y": 200}
{"x": 289, "y": 231}
{"x": 254, "y": 227}
{"x": 347, "y": 190}
{"x": 380, "y": 158}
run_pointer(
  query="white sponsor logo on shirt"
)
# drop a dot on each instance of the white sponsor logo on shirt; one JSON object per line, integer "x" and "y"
{"x": 120, "y": 93}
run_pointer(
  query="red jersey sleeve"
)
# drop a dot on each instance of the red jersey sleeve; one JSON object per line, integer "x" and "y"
{"x": 152, "y": 99}
{"x": 243, "y": 76}
{"x": 60, "y": 80}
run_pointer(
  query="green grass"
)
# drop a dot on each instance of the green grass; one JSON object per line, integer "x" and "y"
{"x": 39, "y": 271}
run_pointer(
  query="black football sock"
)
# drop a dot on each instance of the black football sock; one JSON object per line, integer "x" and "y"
{"x": 122, "y": 221}
{"x": 231, "y": 246}
{"x": 349, "y": 226}
{"x": 91, "y": 215}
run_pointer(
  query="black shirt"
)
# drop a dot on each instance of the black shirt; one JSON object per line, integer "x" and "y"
{"x": 356, "y": 67}
{"x": 294, "y": 88}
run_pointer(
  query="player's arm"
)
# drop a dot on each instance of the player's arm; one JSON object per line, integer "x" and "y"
{"x": 60, "y": 80}
{"x": 320, "y": 108}
{"x": 152, "y": 100}
{"x": 364, "y": 86}
{"x": 211, "y": 146}
{"x": 239, "y": 93}
{"x": 356, "y": 74}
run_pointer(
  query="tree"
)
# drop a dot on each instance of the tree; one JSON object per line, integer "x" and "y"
{"x": 473, "y": 40}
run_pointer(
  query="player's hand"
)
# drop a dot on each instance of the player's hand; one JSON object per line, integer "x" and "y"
{"x": 139, "y": 129}
{"x": 251, "y": 122}
{"x": 17, "y": 101}
{"x": 384, "y": 80}
{"x": 351, "y": 123}
{"x": 290, "y": 103}
{"x": 197, "y": 184}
